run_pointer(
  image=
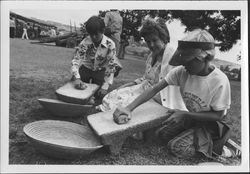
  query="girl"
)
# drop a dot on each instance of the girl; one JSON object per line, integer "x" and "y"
{"x": 206, "y": 93}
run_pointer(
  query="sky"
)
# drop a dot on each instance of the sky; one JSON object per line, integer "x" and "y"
{"x": 79, "y": 16}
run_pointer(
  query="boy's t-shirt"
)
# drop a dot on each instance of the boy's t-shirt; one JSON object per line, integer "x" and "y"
{"x": 202, "y": 93}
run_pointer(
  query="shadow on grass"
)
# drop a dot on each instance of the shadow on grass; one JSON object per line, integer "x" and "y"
{"x": 43, "y": 44}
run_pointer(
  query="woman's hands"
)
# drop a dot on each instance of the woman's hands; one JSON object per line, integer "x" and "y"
{"x": 122, "y": 115}
{"x": 79, "y": 84}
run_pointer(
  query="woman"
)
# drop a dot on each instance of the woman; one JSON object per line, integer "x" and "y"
{"x": 206, "y": 92}
{"x": 156, "y": 35}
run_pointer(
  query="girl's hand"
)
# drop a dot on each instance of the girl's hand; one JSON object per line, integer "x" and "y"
{"x": 121, "y": 115}
{"x": 176, "y": 116}
{"x": 79, "y": 84}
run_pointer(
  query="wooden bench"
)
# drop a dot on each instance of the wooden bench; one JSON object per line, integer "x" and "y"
{"x": 146, "y": 116}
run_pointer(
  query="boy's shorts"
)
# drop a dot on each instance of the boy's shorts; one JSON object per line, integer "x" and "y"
{"x": 96, "y": 76}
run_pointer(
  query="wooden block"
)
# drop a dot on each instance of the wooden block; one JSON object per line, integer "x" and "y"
{"x": 146, "y": 116}
{"x": 63, "y": 109}
{"x": 70, "y": 94}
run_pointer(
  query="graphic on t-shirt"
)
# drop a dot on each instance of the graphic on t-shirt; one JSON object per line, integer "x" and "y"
{"x": 193, "y": 102}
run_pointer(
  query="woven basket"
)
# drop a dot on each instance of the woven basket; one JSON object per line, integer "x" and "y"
{"x": 63, "y": 109}
{"x": 62, "y": 139}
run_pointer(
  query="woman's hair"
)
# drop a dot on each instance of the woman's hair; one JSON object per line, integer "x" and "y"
{"x": 155, "y": 27}
{"x": 94, "y": 25}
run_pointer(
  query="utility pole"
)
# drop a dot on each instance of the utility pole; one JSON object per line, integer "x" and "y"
{"x": 75, "y": 26}
{"x": 70, "y": 27}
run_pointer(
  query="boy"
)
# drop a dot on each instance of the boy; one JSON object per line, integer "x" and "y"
{"x": 95, "y": 58}
{"x": 206, "y": 94}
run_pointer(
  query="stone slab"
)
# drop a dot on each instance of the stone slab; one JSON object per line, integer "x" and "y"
{"x": 70, "y": 94}
{"x": 146, "y": 116}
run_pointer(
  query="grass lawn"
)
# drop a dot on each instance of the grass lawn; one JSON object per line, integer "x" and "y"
{"x": 36, "y": 71}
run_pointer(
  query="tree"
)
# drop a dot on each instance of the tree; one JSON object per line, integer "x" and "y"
{"x": 235, "y": 70}
{"x": 227, "y": 69}
{"x": 224, "y": 25}
{"x": 239, "y": 75}
{"x": 239, "y": 56}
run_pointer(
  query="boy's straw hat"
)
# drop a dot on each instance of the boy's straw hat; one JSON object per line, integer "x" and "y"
{"x": 197, "y": 44}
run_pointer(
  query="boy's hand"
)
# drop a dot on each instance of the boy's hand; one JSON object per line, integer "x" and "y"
{"x": 79, "y": 84}
{"x": 117, "y": 70}
{"x": 121, "y": 115}
{"x": 102, "y": 92}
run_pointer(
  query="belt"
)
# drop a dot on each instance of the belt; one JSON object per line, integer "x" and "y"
{"x": 97, "y": 69}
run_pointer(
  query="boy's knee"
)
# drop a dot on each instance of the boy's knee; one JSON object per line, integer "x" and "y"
{"x": 182, "y": 145}
{"x": 165, "y": 137}
{"x": 170, "y": 146}
{"x": 168, "y": 132}
{"x": 182, "y": 151}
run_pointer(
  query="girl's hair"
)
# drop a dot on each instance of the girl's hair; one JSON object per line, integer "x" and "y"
{"x": 155, "y": 27}
{"x": 94, "y": 25}
{"x": 199, "y": 35}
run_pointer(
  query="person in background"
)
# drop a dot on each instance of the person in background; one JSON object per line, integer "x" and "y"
{"x": 206, "y": 93}
{"x": 25, "y": 34}
{"x": 43, "y": 33}
{"x": 95, "y": 58}
{"x": 52, "y": 32}
{"x": 123, "y": 43}
{"x": 12, "y": 27}
{"x": 113, "y": 22}
{"x": 38, "y": 31}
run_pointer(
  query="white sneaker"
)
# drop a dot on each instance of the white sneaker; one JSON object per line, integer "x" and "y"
{"x": 234, "y": 147}
{"x": 226, "y": 152}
